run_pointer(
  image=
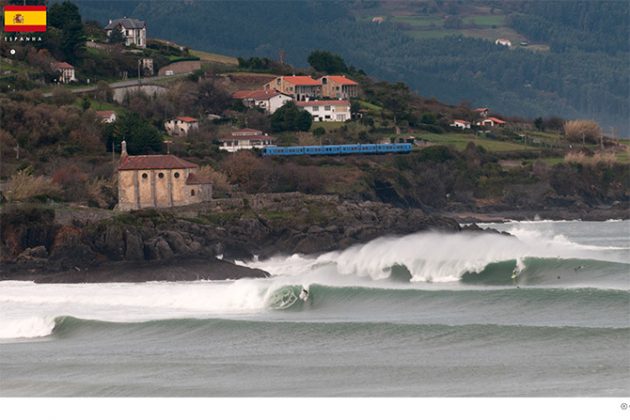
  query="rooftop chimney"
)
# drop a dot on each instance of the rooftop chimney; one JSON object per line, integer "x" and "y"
{"x": 123, "y": 149}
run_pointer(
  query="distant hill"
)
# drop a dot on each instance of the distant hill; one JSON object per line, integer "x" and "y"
{"x": 567, "y": 58}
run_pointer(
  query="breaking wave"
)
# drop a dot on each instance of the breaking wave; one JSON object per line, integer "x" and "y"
{"x": 441, "y": 257}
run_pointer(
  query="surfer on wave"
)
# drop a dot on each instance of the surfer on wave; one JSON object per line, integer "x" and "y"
{"x": 304, "y": 294}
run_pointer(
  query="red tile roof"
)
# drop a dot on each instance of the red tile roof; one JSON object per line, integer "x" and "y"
{"x": 187, "y": 119}
{"x": 153, "y": 162}
{"x": 322, "y": 103}
{"x": 62, "y": 65}
{"x": 342, "y": 80}
{"x": 258, "y": 95}
{"x": 302, "y": 80}
{"x": 461, "y": 121}
{"x": 495, "y": 120}
{"x": 243, "y": 94}
{"x": 252, "y": 137}
{"x": 194, "y": 179}
{"x": 481, "y": 110}
{"x": 105, "y": 114}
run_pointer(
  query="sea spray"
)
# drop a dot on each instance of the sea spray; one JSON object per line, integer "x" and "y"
{"x": 439, "y": 257}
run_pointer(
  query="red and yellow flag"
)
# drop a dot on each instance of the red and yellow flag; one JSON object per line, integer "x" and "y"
{"x": 24, "y": 18}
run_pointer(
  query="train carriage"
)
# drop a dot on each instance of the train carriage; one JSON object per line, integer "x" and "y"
{"x": 341, "y": 149}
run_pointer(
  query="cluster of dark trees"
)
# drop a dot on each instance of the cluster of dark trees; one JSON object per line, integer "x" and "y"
{"x": 291, "y": 118}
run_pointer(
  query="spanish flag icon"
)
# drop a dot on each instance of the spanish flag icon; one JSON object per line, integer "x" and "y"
{"x": 24, "y": 18}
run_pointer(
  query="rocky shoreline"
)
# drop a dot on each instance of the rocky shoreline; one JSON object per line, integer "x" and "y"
{"x": 79, "y": 245}
{"x": 45, "y": 244}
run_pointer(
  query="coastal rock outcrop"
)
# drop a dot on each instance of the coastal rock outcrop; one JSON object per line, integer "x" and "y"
{"x": 263, "y": 225}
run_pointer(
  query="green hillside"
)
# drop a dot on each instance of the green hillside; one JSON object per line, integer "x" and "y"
{"x": 574, "y": 64}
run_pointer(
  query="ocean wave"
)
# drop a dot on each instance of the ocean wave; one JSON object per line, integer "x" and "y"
{"x": 29, "y": 327}
{"x": 388, "y": 303}
{"x": 67, "y": 326}
{"x": 441, "y": 257}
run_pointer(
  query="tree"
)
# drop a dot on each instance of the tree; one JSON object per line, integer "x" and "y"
{"x": 582, "y": 131}
{"x": 327, "y": 62}
{"x": 85, "y": 103}
{"x": 65, "y": 17}
{"x": 141, "y": 137}
{"x": 290, "y": 118}
{"x": 116, "y": 36}
{"x": 539, "y": 123}
{"x": 319, "y": 131}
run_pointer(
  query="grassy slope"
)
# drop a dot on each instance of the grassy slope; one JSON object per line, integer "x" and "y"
{"x": 478, "y": 22}
{"x": 214, "y": 58}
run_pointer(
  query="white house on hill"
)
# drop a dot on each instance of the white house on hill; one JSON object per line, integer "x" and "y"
{"x": 134, "y": 31}
{"x": 65, "y": 71}
{"x": 461, "y": 124}
{"x": 245, "y": 139}
{"x": 181, "y": 126}
{"x": 107, "y": 117}
{"x": 327, "y": 110}
{"x": 269, "y": 100}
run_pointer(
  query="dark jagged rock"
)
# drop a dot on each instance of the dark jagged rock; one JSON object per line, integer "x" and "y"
{"x": 263, "y": 225}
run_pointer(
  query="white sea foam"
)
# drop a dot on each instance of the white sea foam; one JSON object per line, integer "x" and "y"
{"x": 28, "y": 327}
{"x": 440, "y": 257}
{"x": 28, "y": 309}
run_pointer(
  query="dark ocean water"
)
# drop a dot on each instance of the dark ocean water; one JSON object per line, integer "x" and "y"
{"x": 544, "y": 313}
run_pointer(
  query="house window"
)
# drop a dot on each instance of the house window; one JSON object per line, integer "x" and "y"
{"x": 176, "y": 175}
{"x": 315, "y": 108}
{"x": 145, "y": 176}
{"x": 192, "y": 193}
{"x": 327, "y": 108}
{"x": 161, "y": 175}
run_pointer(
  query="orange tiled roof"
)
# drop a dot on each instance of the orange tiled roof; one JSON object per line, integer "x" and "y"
{"x": 258, "y": 95}
{"x": 154, "y": 162}
{"x": 62, "y": 65}
{"x": 105, "y": 114}
{"x": 302, "y": 80}
{"x": 495, "y": 120}
{"x": 187, "y": 119}
{"x": 342, "y": 80}
{"x": 248, "y": 137}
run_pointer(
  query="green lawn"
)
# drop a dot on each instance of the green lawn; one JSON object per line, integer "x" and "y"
{"x": 100, "y": 106}
{"x": 369, "y": 106}
{"x": 487, "y": 20}
{"x": 420, "y": 22}
{"x": 461, "y": 140}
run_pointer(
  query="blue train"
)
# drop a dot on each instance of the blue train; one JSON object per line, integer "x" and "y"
{"x": 342, "y": 149}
